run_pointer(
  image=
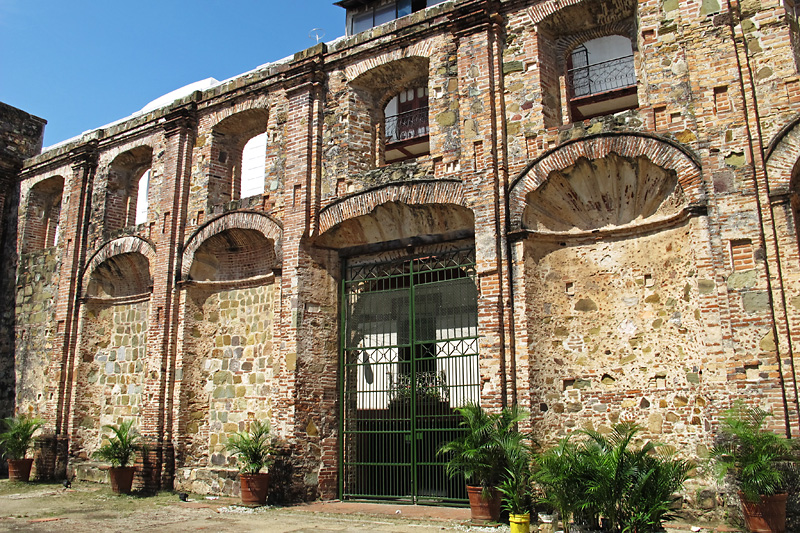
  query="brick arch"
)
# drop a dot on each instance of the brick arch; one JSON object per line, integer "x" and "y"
{"x": 443, "y": 191}
{"x": 540, "y": 12}
{"x": 624, "y": 28}
{"x": 423, "y": 49}
{"x": 783, "y": 156}
{"x": 122, "y": 245}
{"x": 660, "y": 152}
{"x": 253, "y": 220}
{"x": 261, "y": 102}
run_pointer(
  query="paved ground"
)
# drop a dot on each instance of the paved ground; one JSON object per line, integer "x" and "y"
{"x": 92, "y": 508}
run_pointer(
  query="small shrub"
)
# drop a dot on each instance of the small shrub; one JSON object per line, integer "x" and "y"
{"x": 751, "y": 452}
{"x": 254, "y": 449}
{"x": 18, "y": 436}
{"x": 120, "y": 450}
{"x": 632, "y": 487}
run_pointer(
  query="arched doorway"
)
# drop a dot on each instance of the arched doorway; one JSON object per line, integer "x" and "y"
{"x": 408, "y": 347}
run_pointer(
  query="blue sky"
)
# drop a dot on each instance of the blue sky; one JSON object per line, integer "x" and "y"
{"x": 80, "y": 64}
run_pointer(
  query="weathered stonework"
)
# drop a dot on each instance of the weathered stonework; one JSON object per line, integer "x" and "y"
{"x": 638, "y": 265}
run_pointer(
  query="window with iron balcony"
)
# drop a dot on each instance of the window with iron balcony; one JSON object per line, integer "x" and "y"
{"x": 601, "y": 78}
{"x": 406, "y": 125}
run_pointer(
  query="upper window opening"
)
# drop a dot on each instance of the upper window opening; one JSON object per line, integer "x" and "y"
{"x": 406, "y": 125}
{"x": 127, "y": 189}
{"x": 238, "y": 155}
{"x": 42, "y": 214}
{"x": 363, "y": 15}
{"x": 601, "y": 77}
{"x": 253, "y": 163}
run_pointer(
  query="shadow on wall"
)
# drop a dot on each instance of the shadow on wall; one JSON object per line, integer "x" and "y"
{"x": 282, "y": 487}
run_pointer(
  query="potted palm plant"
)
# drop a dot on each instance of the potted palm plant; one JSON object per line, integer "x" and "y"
{"x": 477, "y": 454}
{"x": 255, "y": 453}
{"x": 120, "y": 450}
{"x": 632, "y": 486}
{"x": 752, "y": 453}
{"x": 15, "y": 441}
{"x": 516, "y": 485}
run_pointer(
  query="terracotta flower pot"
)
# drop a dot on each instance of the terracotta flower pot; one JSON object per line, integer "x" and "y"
{"x": 121, "y": 478}
{"x": 766, "y": 516}
{"x": 254, "y": 488}
{"x": 484, "y": 509}
{"x": 19, "y": 469}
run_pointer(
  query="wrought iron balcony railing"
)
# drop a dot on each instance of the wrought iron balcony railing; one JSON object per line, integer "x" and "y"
{"x": 407, "y": 125}
{"x": 601, "y": 77}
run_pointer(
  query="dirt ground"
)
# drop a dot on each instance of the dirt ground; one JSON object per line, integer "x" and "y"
{"x": 92, "y": 508}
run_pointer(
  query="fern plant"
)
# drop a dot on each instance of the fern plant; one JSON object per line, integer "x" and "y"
{"x": 254, "y": 448}
{"x": 18, "y": 435}
{"x": 120, "y": 449}
{"x": 750, "y": 452}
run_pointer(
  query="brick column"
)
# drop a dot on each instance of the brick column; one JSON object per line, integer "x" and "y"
{"x": 157, "y": 466}
{"x": 483, "y": 164}
{"x": 307, "y": 331}
{"x": 60, "y": 372}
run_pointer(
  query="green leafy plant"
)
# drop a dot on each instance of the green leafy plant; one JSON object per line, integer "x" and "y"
{"x": 632, "y": 486}
{"x": 17, "y": 438}
{"x": 120, "y": 449}
{"x": 478, "y": 452}
{"x": 516, "y": 486}
{"x": 560, "y": 472}
{"x": 608, "y": 475}
{"x": 750, "y": 452}
{"x": 254, "y": 448}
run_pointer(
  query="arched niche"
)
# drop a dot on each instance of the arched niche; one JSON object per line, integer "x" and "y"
{"x": 233, "y": 254}
{"x": 253, "y": 231}
{"x": 125, "y": 274}
{"x": 603, "y": 193}
{"x": 229, "y": 137}
{"x": 125, "y": 175}
{"x": 627, "y": 170}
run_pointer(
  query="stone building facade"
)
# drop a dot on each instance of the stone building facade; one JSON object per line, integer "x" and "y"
{"x": 596, "y": 238}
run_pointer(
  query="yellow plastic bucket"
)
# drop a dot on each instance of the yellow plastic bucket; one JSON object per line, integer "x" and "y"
{"x": 520, "y": 523}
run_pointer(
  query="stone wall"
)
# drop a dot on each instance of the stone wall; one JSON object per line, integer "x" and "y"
{"x": 109, "y": 375}
{"x": 37, "y": 282}
{"x": 229, "y": 379}
{"x": 21, "y": 137}
{"x": 617, "y": 332}
{"x": 641, "y": 265}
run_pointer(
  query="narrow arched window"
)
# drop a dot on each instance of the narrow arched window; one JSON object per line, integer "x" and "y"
{"x": 42, "y": 213}
{"x": 142, "y": 198}
{"x": 253, "y": 166}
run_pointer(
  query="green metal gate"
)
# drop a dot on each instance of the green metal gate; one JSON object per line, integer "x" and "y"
{"x": 409, "y": 359}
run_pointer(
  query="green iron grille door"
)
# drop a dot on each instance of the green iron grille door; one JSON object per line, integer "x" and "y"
{"x": 409, "y": 359}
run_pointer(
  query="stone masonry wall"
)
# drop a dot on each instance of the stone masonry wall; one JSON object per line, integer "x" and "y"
{"x": 229, "y": 379}
{"x": 617, "y": 330}
{"x": 110, "y": 371}
{"x": 659, "y": 299}
{"x": 37, "y": 282}
{"x": 21, "y": 137}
